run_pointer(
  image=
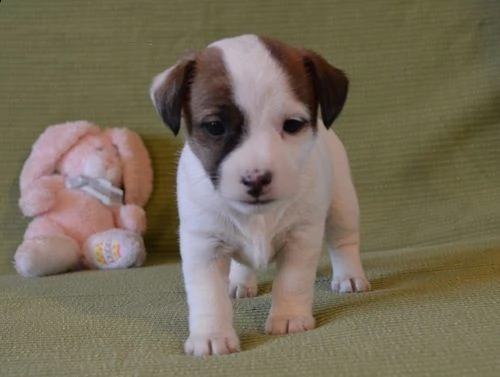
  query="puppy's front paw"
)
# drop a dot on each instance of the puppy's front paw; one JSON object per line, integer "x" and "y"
{"x": 212, "y": 344}
{"x": 350, "y": 284}
{"x": 242, "y": 291}
{"x": 278, "y": 325}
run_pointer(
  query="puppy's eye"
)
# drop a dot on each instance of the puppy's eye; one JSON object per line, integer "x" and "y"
{"x": 293, "y": 126}
{"x": 214, "y": 128}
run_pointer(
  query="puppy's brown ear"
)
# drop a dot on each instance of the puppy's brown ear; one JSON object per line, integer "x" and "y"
{"x": 170, "y": 90}
{"x": 330, "y": 84}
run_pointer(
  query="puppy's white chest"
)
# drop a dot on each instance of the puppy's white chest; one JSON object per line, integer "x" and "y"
{"x": 258, "y": 241}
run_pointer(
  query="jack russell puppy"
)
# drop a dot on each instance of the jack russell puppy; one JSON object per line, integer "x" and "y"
{"x": 260, "y": 179}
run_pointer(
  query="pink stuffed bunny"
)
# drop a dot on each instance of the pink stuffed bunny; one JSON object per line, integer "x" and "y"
{"x": 72, "y": 185}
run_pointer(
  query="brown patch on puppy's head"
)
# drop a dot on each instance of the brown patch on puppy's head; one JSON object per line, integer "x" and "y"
{"x": 215, "y": 124}
{"x": 313, "y": 80}
{"x": 199, "y": 88}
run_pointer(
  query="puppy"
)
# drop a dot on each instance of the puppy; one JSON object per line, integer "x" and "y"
{"x": 260, "y": 179}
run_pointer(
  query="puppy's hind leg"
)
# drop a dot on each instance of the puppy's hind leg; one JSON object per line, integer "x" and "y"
{"x": 342, "y": 233}
{"x": 242, "y": 281}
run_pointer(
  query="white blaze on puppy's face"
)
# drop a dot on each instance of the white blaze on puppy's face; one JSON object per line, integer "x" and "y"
{"x": 262, "y": 91}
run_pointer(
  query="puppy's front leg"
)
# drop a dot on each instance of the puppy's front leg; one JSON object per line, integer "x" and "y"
{"x": 205, "y": 272}
{"x": 293, "y": 286}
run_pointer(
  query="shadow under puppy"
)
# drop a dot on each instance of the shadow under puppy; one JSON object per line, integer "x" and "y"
{"x": 260, "y": 179}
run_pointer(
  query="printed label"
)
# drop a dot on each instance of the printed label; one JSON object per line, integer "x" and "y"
{"x": 107, "y": 252}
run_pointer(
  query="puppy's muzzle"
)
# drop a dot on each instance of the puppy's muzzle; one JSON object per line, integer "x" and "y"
{"x": 257, "y": 182}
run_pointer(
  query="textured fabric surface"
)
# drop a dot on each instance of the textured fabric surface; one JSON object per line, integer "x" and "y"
{"x": 422, "y": 129}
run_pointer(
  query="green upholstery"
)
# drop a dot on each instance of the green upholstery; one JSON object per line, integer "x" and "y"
{"x": 422, "y": 128}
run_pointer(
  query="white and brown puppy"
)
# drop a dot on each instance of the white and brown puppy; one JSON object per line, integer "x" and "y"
{"x": 260, "y": 179}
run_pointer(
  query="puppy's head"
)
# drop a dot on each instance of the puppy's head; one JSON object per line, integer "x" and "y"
{"x": 249, "y": 105}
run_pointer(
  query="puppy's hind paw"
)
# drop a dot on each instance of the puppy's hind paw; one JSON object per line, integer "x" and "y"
{"x": 350, "y": 284}
{"x": 212, "y": 344}
{"x": 242, "y": 291}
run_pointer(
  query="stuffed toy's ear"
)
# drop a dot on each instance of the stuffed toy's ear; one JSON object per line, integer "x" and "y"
{"x": 50, "y": 146}
{"x": 136, "y": 165}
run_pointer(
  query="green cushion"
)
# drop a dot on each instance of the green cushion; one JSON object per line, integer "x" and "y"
{"x": 422, "y": 129}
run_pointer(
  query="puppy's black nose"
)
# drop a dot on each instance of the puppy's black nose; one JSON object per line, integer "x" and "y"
{"x": 257, "y": 182}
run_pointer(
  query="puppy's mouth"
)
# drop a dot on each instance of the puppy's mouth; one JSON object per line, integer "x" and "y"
{"x": 257, "y": 202}
{"x": 254, "y": 205}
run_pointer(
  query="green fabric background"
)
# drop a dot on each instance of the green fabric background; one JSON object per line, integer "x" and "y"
{"x": 422, "y": 128}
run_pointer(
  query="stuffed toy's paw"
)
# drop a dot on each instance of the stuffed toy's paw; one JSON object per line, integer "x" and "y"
{"x": 132, "y": 217}
{"x": 114, "y": 248}
{"x": 39, "y": 197}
